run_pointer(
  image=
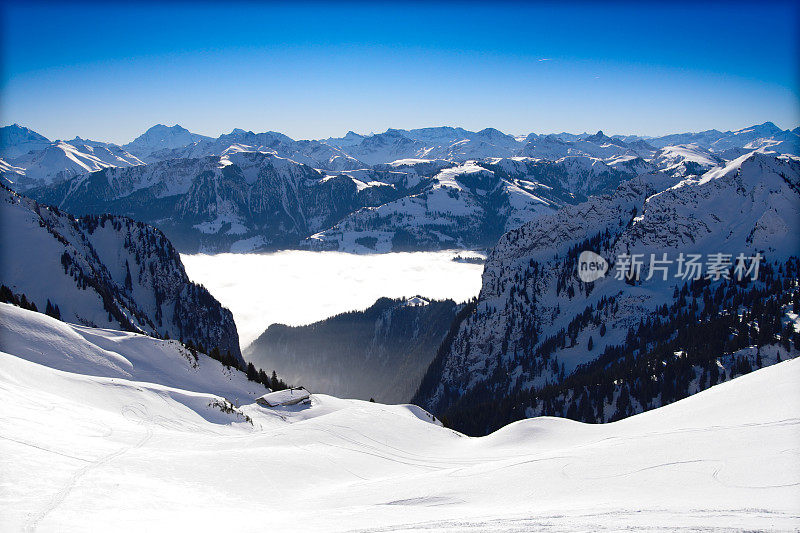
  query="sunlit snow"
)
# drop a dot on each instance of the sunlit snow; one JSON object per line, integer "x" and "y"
{"x": 86, "y": 452}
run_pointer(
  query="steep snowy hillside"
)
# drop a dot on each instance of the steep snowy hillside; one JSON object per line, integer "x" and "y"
{"x": 9, "y": 174}
{"x": 110, "y": 353}
{"x": 381, "y": 352}
{"x": 81, "y": 450}
{"x": 106, "y": 271}
{"x": 109, "y": 153}
{"x": 535, "y": 322}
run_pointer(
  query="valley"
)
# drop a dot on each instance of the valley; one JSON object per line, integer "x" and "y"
{"x": 297, "y": 288}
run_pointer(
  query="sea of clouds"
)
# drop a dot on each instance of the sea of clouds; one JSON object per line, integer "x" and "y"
{"x": 300, "y": 287}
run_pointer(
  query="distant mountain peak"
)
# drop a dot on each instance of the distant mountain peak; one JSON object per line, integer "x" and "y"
{"x": 160, "y": 137}
{"x": 598, "y": 137}
{"x": 17, "y": 133}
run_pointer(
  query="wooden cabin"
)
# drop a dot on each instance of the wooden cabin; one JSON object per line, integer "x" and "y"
{"x": 284, "y": 397}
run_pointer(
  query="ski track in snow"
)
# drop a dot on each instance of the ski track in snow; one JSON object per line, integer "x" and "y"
{"x": 142, "y": 417}
{"x": 83, "y": 452}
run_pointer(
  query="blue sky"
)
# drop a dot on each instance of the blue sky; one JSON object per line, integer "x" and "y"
{"x": 108, "y": 72}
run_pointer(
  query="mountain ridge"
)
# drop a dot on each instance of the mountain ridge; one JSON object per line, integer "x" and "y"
{"x": 107, "y": 271}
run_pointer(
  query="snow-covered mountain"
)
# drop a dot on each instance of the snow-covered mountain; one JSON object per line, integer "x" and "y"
{"x": 244, "y": 200}
{"x": 16, "y": 140}
{"x": 469, "y": 205}
{"x": 116, "y": 431}
{"x": 455, "y": 144}
{"x": 31, "y": 160}
{"x": 106, "y": 271}
{"x": 361, "y": 193}
{"x": 685, "y": 160}
{"x": 536, "y": 323}
{"x": 60, "y": 161}
{"x": 313, "y": 153}
{"x": 598, "y": 145}
{"x": 160, "y": 138}
{"x": 239, "y": 201}
{"x": 732, "y": 144}
{"x": 380, "y": 353}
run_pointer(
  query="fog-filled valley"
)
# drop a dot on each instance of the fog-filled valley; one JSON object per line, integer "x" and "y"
{"x": 300, "y": 287}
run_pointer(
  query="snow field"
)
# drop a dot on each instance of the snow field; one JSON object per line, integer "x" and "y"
{"x": 82, "y": 452}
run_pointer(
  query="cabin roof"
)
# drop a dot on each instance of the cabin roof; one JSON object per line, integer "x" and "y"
{"x": 285, "y": 397}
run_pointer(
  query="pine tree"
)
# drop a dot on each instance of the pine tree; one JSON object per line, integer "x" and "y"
{"x": 128, "y": 279}
{"x": 252, "y": 373}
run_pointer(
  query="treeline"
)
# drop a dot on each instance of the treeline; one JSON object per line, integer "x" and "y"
{"x": 227, "y": 358}
{"x": 712, "y": 332}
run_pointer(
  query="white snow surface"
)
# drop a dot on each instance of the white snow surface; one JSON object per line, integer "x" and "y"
{"x": 86, "y": 452}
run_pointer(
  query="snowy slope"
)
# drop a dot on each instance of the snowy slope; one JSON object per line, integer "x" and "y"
{"x": 110, "y": 353}
{"x": 10, "y": 174}
{"x": 686, "y": 159}
{"x": 106, "y": 271}
{"x": 81, "y": 451}
{"x": 60, "y": 161}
